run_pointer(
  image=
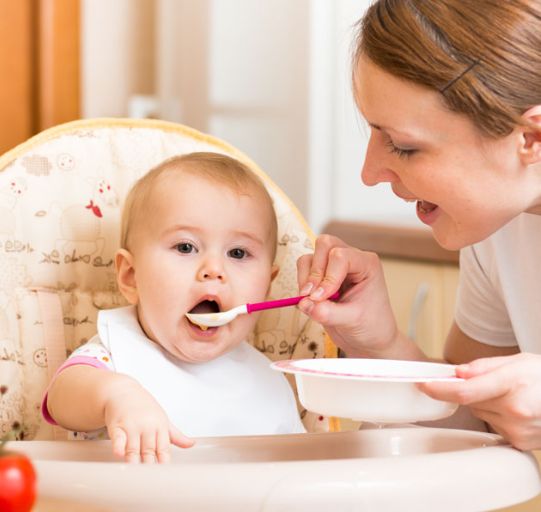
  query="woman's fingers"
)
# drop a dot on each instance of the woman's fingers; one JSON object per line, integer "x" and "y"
{"x": 330, "y": 313}
{"x": 482, "y": 388}
{"x": 484, "y": 365}
{"x": 304, "y": 263}
{"x": 313, "y": 269}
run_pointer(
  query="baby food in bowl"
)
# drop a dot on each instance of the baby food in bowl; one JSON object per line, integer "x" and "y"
{"x": 373, "y": 390}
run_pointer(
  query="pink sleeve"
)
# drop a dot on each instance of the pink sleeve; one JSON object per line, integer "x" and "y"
{"x": 72, "y": 361}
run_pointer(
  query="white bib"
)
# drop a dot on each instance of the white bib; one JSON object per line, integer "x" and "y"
{"x": 235, "y": 394}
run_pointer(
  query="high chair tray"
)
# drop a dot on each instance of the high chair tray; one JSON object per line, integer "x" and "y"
{"x": 422, "y": 469}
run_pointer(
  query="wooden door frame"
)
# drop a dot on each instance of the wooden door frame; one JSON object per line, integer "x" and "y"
{"x": 58, "y": 70}
{"x": 39, "y": 66}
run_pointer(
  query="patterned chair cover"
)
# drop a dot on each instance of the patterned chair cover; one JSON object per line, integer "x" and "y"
{"x": 61, "y": 194}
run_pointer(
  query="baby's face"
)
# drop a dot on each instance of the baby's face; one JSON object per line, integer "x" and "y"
{"x": 202, "y": 247}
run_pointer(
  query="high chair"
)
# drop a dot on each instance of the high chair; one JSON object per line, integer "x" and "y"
{"x": 60, "y": 199}
{"x": 61, "y": 194}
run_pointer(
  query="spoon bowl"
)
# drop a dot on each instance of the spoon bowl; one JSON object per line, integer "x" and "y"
{"x": 216, "y": 319}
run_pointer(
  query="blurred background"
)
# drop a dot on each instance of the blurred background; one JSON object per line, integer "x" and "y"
{"x": 270, "y": 77}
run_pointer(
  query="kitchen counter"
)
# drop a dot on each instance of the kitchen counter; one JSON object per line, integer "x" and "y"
{"x": 402, "y": 242}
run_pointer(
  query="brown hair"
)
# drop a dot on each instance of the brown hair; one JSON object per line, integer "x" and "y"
{"x": 216, "y": 167}
{"x": 483, "y": 56}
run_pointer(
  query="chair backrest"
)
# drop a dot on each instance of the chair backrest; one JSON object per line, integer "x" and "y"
{"x": 60, "y": 201}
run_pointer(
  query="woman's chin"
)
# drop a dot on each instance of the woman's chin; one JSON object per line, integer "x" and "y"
{"x": 450, "y": 241}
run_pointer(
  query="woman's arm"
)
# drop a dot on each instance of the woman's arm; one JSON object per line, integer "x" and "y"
{"x": 461, "y": 349}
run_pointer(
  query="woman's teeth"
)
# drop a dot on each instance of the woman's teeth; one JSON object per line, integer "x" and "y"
{"x": 426, "y": 206}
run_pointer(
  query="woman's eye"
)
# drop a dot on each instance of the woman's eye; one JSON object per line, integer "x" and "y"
{"x": 185, "y": 247}
{"x": 401, "y": 152}
{"x": 237, "y": 253}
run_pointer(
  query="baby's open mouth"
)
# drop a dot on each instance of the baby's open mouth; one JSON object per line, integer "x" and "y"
{"x": 205, "y": 306}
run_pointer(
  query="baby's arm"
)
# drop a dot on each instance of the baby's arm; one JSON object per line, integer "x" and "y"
{"x": 85, "y": 398}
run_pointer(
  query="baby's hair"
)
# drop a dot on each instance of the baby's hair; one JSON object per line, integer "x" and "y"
{"x": 214, "y": 167}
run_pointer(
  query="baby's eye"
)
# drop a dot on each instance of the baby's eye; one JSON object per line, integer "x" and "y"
{"x": 237, "y": 253}
{"x": 185, "y": 247}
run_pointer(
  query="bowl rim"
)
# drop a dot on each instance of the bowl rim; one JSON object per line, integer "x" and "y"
{"x": 294, "y": 366}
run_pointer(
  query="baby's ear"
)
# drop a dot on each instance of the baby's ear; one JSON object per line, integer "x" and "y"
{"x": 274, "y": 272}
{"x": 125, "y": 276}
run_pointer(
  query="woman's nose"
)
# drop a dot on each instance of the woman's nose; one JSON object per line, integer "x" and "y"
{"x": 374, "y": 168}
{"x": 211, "y": 269}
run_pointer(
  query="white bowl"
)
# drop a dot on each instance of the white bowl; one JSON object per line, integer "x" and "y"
{"x": 374, "y": 390}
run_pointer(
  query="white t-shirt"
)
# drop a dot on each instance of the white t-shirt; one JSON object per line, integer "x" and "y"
{"x": 235, "y": 394}
{"x": 499, "y": 293}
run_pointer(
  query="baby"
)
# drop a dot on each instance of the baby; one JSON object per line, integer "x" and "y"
{"x": 199, "y": 234}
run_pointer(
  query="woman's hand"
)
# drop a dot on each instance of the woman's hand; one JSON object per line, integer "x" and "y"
{"x": 138, "y": 427}
{"x": 503, "y": 391}
{"x": 361, "y": 322}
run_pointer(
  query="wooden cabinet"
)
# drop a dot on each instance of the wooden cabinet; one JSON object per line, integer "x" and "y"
{"x": 422, "y": 296}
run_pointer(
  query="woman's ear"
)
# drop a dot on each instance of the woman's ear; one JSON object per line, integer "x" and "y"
{"x": 530, "y": 148}
{"x": 125, "y": 276}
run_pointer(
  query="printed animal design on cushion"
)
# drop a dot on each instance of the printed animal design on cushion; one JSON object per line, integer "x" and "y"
{"x": 40, "y": 357}
{"x": 80, "y": 225}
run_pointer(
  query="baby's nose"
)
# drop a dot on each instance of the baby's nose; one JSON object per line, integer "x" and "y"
{"x": 211, "y": 270}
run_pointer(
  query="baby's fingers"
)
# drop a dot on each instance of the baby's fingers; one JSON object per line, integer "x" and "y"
{"x": 179, "y": 439}
{"x": 125, "y": 445}
{"x": 133, "y": 448}
{"x": 119, "y": 440}
{"x": 149, "y": 446}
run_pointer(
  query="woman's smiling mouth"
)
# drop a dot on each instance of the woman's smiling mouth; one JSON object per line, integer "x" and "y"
{"x": 427, "y": 211}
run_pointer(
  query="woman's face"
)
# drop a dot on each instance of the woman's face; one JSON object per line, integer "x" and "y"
{"x": 465, "y": 186}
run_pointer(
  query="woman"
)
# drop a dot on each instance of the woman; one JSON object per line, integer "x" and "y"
{"x": 451, "y": 90}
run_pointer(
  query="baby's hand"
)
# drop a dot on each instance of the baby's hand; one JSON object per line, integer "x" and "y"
{"x": 137, "y": 425}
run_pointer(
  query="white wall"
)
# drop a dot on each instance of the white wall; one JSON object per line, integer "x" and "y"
{"x": 117, "y": 55}
{"x": 238, "y": 70}
{"x": 338, "y": 134}
{"x": 271, "y": 78}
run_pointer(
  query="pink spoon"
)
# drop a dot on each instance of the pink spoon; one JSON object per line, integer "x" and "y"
{"x": 224, "y": 317}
